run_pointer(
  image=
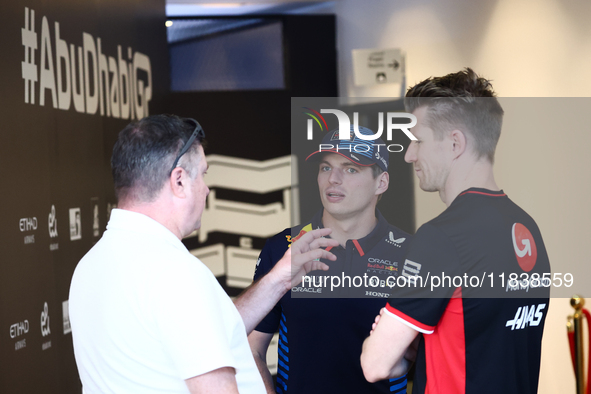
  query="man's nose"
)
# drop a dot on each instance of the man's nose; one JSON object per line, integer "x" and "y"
{"x": 410, "y": 155}
{"x": 335, "y": 177}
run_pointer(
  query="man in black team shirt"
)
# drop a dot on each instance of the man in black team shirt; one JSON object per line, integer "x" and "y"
{"x": 476, "y": 339}
{"x": 320, "y": 336}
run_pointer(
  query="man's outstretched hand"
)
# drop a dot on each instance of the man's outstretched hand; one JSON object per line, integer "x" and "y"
{"x": 304, "y": 256}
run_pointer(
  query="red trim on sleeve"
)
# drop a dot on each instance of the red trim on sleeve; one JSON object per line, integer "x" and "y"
{"x": 445, "y": 351}
{"x": 361, "y": 252}
{"x": 408, "y": 319}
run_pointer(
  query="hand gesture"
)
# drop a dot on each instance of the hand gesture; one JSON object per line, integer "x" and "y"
{"x": 304, "y": 256}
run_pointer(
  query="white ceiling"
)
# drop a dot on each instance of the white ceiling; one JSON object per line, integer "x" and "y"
{"x": 247, "y": 2}
{"x": 236, "y": 7}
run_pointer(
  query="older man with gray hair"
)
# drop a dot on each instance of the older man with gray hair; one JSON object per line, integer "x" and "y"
{"x": 147, "y": 316}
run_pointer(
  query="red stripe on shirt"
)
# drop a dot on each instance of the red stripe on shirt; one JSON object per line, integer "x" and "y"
{"x": 445, "y": 351}
{"x": 361, "y": 252}
{"x": 408, "y": 319}
{"x": 484, "y": 194}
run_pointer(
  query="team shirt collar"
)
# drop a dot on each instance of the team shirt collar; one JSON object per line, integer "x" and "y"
{"x": 362, "y": 244}
{"x": 483, "y": 192}
{"x": 477, "y": 192}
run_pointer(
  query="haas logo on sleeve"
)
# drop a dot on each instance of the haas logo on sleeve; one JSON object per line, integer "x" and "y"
{"x": 524, "y": 246}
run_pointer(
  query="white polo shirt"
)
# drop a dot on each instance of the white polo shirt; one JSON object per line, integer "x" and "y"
{"x": 146, "y": 314}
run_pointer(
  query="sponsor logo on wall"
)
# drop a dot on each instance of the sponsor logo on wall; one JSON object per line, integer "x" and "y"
{"x": 67, "y": 71}
{"x": 27, "y": 225}
{"x": 17, "y": 331}
{"x": 45, "y": 331}
{"x": 95, "y": 217}
{"x": 66, "y": 317}
{"x": 52, "y": 225}
{"x": 110, "y": 207}
{"x": 83, "y": 77}
{"x": 75, "y": 224}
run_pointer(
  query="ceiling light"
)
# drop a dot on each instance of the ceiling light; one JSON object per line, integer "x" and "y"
{"x": 222, "y": 5}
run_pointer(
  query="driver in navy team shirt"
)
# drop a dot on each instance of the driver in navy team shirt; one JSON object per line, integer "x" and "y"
{"x": 321, "y": 329}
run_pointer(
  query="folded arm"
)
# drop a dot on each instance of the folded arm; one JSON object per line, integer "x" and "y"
{"x": 389, "y": 350}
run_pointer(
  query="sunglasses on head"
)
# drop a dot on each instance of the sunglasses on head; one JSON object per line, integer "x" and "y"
{"x": 198, "y": 132}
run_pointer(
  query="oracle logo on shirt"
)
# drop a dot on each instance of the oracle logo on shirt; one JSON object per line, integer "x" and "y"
{"x": 524, "y": 246}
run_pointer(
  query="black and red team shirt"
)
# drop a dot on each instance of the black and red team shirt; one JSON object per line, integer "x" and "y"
{"x": 320, "y": 338}
{"x": 478, "y": 339}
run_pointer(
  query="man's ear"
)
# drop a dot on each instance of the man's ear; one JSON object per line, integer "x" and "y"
{"x": 458, "y": 143}
{"x": 178, "y": 182}
{"x": 384, "y": 182}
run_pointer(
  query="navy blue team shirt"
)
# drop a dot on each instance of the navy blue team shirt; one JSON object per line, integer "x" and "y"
{"x": 320, "y": 336}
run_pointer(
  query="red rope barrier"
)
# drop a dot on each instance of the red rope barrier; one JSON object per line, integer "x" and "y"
{"x": 588, "y": 318}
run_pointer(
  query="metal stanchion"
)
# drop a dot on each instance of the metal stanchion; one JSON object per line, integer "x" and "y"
{"x": 575, "y": 329}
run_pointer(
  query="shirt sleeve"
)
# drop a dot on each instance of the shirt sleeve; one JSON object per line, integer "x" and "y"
{"x": 431, "y": 259}
{"x": 273, "y": 250}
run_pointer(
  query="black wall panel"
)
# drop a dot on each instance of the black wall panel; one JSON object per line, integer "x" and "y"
{"x": 54, "y": 161}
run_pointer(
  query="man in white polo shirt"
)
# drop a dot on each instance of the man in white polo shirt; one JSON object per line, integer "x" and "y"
{"x": 146, "y": 315}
